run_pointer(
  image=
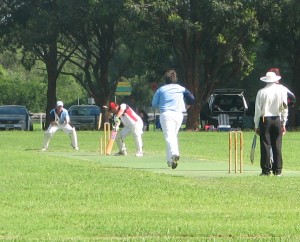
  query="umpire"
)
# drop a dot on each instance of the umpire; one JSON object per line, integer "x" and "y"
{"x": 271, "y": 112}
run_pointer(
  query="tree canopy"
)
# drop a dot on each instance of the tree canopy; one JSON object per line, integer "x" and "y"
{"x": 211, "y": 44}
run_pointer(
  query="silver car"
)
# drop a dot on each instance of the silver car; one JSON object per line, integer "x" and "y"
{"x": 15, "y": 117}
{"x": 84, "y": 116}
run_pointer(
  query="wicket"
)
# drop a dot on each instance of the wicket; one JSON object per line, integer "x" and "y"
{"x": 236, "y": 135}
{"x": 106, "y": 138}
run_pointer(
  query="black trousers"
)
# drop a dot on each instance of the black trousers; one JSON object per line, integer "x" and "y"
{"x": 270, "y": 138}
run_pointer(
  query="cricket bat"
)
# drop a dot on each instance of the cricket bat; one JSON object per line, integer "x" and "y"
{"x": 253, "y": 148}
{"x": 99, "y": 121}
{"x": 111, "y": 142}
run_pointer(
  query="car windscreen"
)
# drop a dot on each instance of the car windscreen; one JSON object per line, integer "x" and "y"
{"x": 228, "y": 102}
{"x": 84, "y": 111}
{"x": 13, "y": 110}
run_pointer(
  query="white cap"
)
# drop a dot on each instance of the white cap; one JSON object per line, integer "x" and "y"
{"x": 59, "y": 104}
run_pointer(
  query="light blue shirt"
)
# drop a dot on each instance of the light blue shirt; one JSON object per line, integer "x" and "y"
{"x": 62, "y": 117}
{"x": 170, "y": 97}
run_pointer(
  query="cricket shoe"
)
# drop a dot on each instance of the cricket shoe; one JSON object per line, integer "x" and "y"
{"x": 74, "y": 147}
{"x": 169, "y": 163}
{"x": 174, "y": 162}
{"x": 44, "y": 149}
{"x": 277, "y": 174}
{"x": 139, "y": 154}
{"x": 121, "y": 153}
{"x": 264, "y": 174}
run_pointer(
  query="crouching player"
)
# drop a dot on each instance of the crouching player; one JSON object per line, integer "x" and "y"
{"x": 59, "y": 120}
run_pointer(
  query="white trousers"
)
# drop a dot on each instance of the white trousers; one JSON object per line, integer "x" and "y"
{"x": 136, "y": 130}
{"x": 171, "y": 122}
{"x": 64, "y": 127}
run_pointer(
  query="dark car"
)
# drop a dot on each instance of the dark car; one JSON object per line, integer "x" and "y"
{"x": 226, "y": 101}
{"x": 15, "y": 117}
{"x": 84, "y": 117}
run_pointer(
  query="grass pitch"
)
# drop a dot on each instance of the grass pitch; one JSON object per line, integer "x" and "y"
{"x": 65, "y": 195}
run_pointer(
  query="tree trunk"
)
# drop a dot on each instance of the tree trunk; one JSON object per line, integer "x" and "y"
{"x": 191, "y": 60}
{"x": 192, "y": 84}
{"x": 104, "y": 96}
{"x": 52, "y": 71}
{"x": 293, "y": 114}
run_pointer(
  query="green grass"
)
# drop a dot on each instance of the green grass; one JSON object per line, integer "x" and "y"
{"x": 63, "y": 195}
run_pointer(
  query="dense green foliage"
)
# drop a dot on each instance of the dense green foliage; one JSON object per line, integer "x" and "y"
{"x": 211, "y": 44}
{"x": 21, "y": 87}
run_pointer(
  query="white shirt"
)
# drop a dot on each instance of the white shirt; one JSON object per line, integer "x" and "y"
{"x": 129, "y": 117}
{"x": 271, "y": 101}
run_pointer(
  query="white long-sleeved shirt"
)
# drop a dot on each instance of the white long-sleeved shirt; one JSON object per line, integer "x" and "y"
{"x": 271, "y": 101}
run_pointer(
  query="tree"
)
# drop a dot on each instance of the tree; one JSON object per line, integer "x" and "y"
{"x": 212, "y": 40}
{"x": 280, "y": 21}
{"x": 22, "y": 87}
{"x": 93, "y": 30}
{"x": 36, "y": 26}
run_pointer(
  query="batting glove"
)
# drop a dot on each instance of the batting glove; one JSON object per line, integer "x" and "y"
{"x": 117, "y": 121}
{"x": 116, "y": 128}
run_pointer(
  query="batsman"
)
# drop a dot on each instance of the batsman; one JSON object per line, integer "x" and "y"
{"x": 132, "y": 124}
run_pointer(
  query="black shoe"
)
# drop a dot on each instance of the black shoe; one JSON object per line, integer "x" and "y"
{"x": 264, "y": 174}
{"x": 174, "y": 165}
{"x": 277, "y": 173}
{"x": 175, "y": 158}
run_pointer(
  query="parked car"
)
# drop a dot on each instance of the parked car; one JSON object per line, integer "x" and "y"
{"x": 226, "y": 101}
{"x": 15, "y": 117}
{"x": 84, "y": 117}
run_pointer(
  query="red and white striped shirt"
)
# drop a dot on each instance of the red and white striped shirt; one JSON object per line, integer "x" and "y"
{"x": 129, "y": 117}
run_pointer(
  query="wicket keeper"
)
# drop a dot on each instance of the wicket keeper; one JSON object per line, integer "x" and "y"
{"x": 60, "y": 120}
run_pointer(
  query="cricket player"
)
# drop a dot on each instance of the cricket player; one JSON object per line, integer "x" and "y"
{"x": 133, "y": 124}
{"x": 172, "y": 100}
{"x": 59, "y": 120}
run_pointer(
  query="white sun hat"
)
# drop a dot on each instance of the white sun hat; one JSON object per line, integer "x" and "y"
{"x": 270, "y": 77}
